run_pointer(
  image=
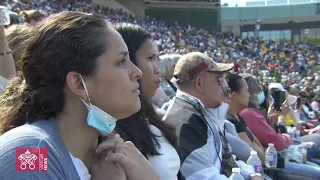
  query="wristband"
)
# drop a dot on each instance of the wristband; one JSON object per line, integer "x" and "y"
{"x": 5, "y": 53}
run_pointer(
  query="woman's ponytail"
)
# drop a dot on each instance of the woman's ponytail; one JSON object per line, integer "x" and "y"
{"x": 13, "y": 103}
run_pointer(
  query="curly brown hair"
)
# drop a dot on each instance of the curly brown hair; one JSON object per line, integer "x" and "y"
{"x": 63, "y": 42}
{"x": 16, "y": 35}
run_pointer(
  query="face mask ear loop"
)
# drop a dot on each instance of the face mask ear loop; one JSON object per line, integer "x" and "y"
{"x": 85, "y": 88}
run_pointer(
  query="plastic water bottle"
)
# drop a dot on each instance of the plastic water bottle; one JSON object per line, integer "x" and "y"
{"x": 271, "y": 159}
{"x": 236, "y": 174}
{"x": 255, "y": 162}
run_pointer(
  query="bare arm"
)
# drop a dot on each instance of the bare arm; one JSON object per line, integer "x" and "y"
{"x": 256, "y": 141}
{"x": 243, "y": 136}
{"x": 7, "y": 66}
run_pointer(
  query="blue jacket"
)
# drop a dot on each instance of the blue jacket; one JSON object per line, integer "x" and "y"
{"x": 40, "y": 134}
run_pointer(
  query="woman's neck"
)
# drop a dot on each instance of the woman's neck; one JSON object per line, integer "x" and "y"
{"x": 233, "y": 109}
{"x": 79, "y": 138}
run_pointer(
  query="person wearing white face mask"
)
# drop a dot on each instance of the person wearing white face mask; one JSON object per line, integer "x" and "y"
{"x": 261, "y": 123}
{"x": 77, "y": 80}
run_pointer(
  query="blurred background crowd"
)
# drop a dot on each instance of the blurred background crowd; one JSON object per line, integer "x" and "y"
{"x": 278, "y": 64}
{"x": 293, "y": 65}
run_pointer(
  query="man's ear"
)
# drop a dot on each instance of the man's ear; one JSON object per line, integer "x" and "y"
{"x": 199, "y": 83}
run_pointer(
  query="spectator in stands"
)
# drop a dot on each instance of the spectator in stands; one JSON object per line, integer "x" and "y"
{"x": 292, "y": 116}
{"x": 257, "y": 122}
{"x": 32, "y": 17}
{"x": 72, "y": 86}
{"x": 305, "y": 106}
{"x": 7, "y": 65}
{"x": 239, "y": 101}
{"x": 168, "y": 82}
{"x": 166, "y": 65}
{"x": 155, "y": 139}
{"x": 232, "y": 136}
{"x": 316, "y": 103}
{"x": 198, "y": 116}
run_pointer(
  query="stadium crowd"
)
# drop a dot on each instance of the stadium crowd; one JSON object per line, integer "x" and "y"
{"x": 290, "y": 64}
{"x": 54, "y": 69}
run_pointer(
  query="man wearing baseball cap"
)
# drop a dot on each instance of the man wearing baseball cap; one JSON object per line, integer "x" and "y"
{"x": 198, "y": 114}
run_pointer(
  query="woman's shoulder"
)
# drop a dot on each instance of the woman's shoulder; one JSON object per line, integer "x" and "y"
{"x": 32, "y": 141}
{"x": 232, "y": 119}
{"x": 25, "y": 136}
{"x": 250, "y": 112}
{"x": 42, "y": 130}
{"x": 23, "y": 133}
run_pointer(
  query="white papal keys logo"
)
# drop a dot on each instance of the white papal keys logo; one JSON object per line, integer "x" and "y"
{"x": 27, "y": 159}
{"x": 31, "y": 159}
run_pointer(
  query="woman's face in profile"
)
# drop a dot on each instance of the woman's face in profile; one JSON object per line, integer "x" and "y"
{"x": 243, "y": 94}
{"x": 147, "y": 60}
{"x": 113, "y": 86}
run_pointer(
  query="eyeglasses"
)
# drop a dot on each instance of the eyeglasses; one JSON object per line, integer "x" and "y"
{"x": 226, "y": 91}
{"x": 219, "y": 80}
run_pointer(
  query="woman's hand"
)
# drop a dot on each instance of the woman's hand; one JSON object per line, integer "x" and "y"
{"x": 272, "y": 114}
{"x": 284, "y": 110}
{"x": 135, "y": 165}
{"x": 104, "y": 170}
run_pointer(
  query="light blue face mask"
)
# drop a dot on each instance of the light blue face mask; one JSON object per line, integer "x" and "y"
{"x": 97, "y": 118}
{"x": 260, "y": 97}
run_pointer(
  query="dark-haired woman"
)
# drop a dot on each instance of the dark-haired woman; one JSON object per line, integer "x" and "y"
{"x": 145, "y": 129}
{"x": 78, "y": 80}
{"x": 239, "y": 101}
